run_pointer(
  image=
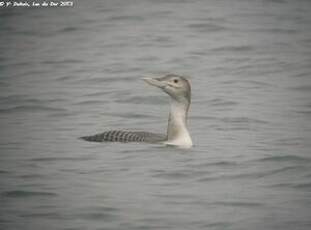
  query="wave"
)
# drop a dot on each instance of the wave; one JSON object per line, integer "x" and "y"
{"x": 126, "y": 18}
{"x": 306, "y": 88}
{"x": 91, "y": 102}
{"x": 238, "y": 204}
{"x": 222, "y": 102}
{"x": 24, "y": 193}
{"x": 149, "y": 100}
{"x": 105, "y": 79}
{"x": 250, "y": 175}
{"x": 32, "y": 108}
{"x": 293, "y": 185}
{"x": 243, "y": 120}
{"x": 207, "y": 27}
{"x": 216, "y": 163}
{"x": 61, "y": 159}
{"x": 97, "y": 216}
{"x": 290, "y": 158}
{"x": 303, "y": 185}
{"x": 233, "y": 48}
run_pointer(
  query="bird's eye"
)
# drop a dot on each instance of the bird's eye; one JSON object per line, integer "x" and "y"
{"x": 175, "y": 80}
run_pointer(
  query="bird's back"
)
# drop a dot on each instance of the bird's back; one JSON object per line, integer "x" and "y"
{"x": 126, "y": 136}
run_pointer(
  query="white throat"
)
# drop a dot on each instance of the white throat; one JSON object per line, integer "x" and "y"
{"x": 177, "y": 132}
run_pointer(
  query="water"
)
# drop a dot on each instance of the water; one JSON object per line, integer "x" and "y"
{"x": 69, "y": 72}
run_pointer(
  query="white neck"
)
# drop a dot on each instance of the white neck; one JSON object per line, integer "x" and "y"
{"x": 177, "y": 132}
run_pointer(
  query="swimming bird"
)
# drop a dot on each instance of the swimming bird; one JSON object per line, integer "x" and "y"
{"x": 179, "y": 90}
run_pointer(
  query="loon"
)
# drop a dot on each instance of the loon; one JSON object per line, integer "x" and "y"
{"x": 179, "y": 90}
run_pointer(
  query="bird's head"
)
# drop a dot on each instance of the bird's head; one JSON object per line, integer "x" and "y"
{"x": 178, "y": 87}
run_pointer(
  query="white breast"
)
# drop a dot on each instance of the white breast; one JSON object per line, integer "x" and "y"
{"x": 183, "y": 141}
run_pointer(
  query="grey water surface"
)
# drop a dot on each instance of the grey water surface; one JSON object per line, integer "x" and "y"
{"x": 73, "y": 71}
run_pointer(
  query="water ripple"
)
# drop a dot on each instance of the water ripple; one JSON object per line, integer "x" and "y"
{"x": 24, "y": 193}
{"x": 206, "y": 27}
{"x": 241, "y": 48}
{"x": 302, "y": 88}
{"x": 289, "y": 158}
{"x": 32, "y": 108}
{"x": 238, "y": 204}
{"x": 81, "y": 158}
{"x": 96, "y": 216}
{"x": 126, "y": 18}
{"x": 250, "y": 175}
{"x": 153, "y": 100}
{"x": 304, "y": 186}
